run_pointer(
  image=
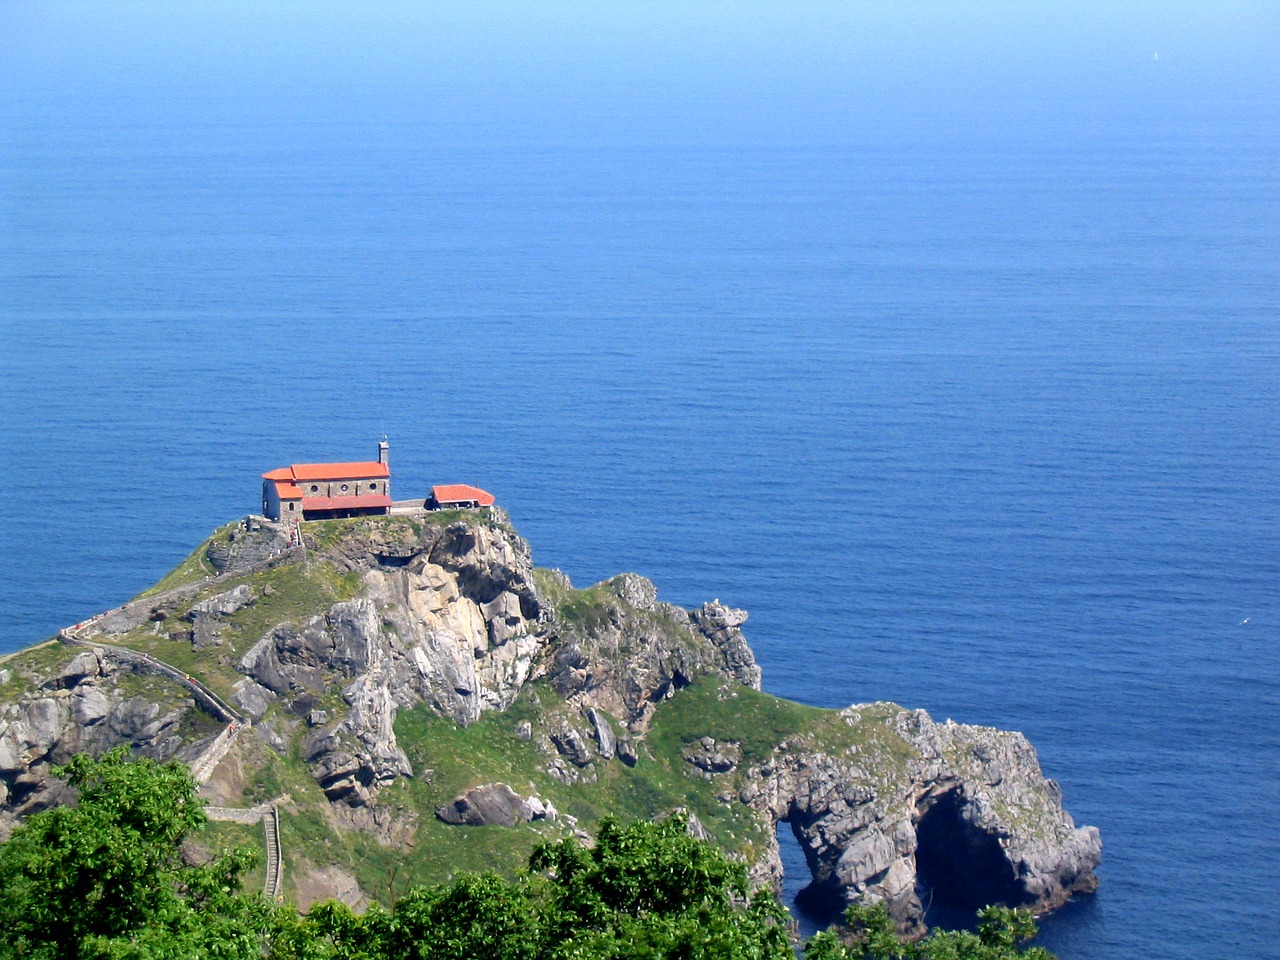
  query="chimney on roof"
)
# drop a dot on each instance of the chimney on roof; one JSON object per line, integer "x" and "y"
{"x": 384, "y": 451}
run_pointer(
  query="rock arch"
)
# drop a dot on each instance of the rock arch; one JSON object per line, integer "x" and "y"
{"x": 966, "y": 819}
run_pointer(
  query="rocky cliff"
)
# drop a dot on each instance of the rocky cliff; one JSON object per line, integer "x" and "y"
{"x": 419, "y": 697}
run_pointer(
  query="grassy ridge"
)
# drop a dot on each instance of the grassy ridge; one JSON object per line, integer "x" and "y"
{"x": 194, "y": 568}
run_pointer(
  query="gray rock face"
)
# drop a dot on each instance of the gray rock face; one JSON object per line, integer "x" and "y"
{"x": 250, "y": 544}
{"x": 90, "y": 706}
{"x": 711, "y": 757}
{"x": 447, "y": 619}
{"x": 222, "y": 605}
{"x": 627, "y": 752}
{"x": 572, "y": 745}
{"x": 493, "y": 804}
{"x": 636, "y": 651}
{"x": 208, "y": 617}
{"x": 253, "y": 698}
{"x": 722, "y": 626}
{"x": 605, "y": 740}
{"x": 82, "y": 667}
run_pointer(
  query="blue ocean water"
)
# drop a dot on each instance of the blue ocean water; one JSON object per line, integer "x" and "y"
{"x": 973, "y": 402}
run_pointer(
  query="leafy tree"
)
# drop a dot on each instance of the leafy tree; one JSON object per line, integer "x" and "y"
{"x": 475, "y": 916}
{"x": 644, "y": 891}
{"x": 652, "y": 890}
{"x": 1001, "y": 933}
{"x": 105, "y": 878}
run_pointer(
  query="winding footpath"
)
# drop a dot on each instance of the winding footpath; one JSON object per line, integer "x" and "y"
{"x": 137, "y": 612}
{"x": 203, "y": 766}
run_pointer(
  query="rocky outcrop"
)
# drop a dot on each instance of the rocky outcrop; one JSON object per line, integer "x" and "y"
{"x": 722, "y": 626}
{"x": 887, "y": 804}
{"x": 222, "y": 604}
{"x": 623, "y": 652}
{"x": 89, "y": 703}
{"x": 248, "y": 545}
{"x": 447, "y": 617}
{"x": 710, "y": 757}
{"x": 208, "y": 616}
{"x": 965, "y": 816}
{"x": 606, "y": 742}
{"x": 494, "y": 804}
{"x": 451, "y": 617}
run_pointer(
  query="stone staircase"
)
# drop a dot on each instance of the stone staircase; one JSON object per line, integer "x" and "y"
{"x": 275, "y": 855}
{"x": 268, "y": 814}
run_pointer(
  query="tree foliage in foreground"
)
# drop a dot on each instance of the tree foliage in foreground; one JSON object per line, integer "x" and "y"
{"x": 644, "y": 890}
{"x": 1001, "y": 934}
{"x": 105, "y": 880}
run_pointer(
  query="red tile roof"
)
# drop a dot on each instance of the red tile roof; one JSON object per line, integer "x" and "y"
{"x": 287, "y": 491}
{"x": 366, "y": 470}
{"x": 462, "y": 493}
{"x": 339, "y": 471}
{"x": 345, "y": 503}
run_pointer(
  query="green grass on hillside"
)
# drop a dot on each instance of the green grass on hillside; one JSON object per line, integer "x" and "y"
{"x": 756, "y": 721}
{"x": 32, "y": 666}
{"x": 449, "y": 759}
{"x": 194, "y": 568}
{"x": 489, "y": 750}
{"x": 586, "y": 610}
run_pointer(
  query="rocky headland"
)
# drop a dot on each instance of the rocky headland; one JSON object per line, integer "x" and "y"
{"x": 414, "y": 697}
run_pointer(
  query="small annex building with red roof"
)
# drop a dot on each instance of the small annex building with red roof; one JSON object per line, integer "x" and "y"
{"x": 449, "y": 495}
{"x": 324, "y": 491}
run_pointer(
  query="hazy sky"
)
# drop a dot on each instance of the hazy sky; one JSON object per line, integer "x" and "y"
{"x": 648, "y": 67}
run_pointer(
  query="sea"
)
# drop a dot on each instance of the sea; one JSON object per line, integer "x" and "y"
{"x": 942, "y": 338}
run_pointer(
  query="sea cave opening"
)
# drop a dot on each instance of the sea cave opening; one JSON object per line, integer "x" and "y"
{"x": 958, "y": 866}
{"x": 812, "y": 908}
